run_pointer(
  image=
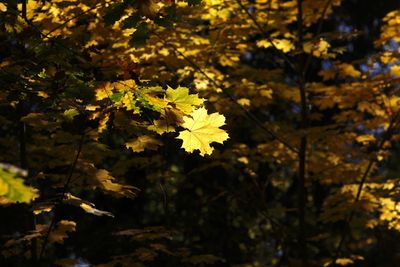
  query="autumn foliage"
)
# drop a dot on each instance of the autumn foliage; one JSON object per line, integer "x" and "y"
{"x": 199, "y": 133}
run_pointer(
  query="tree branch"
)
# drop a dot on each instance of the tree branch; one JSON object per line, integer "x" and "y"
{"x": 301, "y": 191}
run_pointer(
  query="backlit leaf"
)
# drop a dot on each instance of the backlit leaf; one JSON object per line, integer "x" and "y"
{"x": 85, "y": 205}
{"x": 143, "y": 142}
{"x": 12, "y": 187}
{"x": 202, "y": 130}
{"x": 182, "y": 100}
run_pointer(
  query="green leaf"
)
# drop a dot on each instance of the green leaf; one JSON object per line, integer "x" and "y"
{"x": 116, "y": 97}
{"x": 182, "y": 99}
{"x": 12, "y": 187}
{"x": 69, "y": 114}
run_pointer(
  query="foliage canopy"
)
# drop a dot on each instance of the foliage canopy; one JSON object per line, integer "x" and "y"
{"x": 199, "y": 132}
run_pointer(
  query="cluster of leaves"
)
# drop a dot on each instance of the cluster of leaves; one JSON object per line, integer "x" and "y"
{"x": 95, "y": 95}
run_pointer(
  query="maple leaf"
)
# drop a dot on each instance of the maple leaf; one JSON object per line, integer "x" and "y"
{"x": 202, "y": 130}
{"x": 60, "y": 232}
{"x": 317, "y": 49}
{"x": 143, "y": 142}
{"x": 167, "y": 121}
{"x": 281, "y": 44}
{"x": 182, "y": 99}
{"x": 12, "y": 187}
{"x": 85, "y": 205}
{"x": 3, "y": 7}
{"x": 108, "y": 184}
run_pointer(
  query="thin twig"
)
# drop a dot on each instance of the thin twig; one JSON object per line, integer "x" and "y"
{"x": 64, "y": 191}
{"x": 301, "y": 191}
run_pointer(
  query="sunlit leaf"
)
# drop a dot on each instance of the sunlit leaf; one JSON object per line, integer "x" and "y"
{"x": 108, "y": 184}
{"x": 182, "y": 100}
{"x": 85, "y": 205}
{"x": 12, "y": 187}
{"x": 202, "y": 130}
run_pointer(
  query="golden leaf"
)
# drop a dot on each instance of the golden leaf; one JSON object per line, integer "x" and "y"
{"x": 12, "y": 187}
{"x": 85, "y": 205}
{"x": 182, "y": 99}
{"x": 3, "y": 7}
{"x": 202, "y": 130}
{"x": 143, "y": 142}
{"x": 108, "y": 185}
{"x": 282, "y": 44}
{"x": 317, "y": 49}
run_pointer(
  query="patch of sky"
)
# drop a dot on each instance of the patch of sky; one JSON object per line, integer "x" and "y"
{"x": 295, "y": 108}
{"x": 279, "y": 253}
{"x": 251, "y": 9}
{"x": 378, "y": 68}
{"x": 364, "y": 67}
{"x": 366, "y": 30}
{"x": 350, "y": 47}
{"x": 344, "y": 28}
{"x": 326, "y": 64}
{"x": 247, "y": 56}
{"x": 377, "y": 131}
{"x": 391, "y": 46}
{"x": 82, "y": 263}
{"x": 376, "y": 22}
{"x": 289, "y": 80}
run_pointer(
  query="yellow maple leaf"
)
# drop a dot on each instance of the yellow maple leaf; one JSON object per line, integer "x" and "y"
{"x": 349, "y": 70}
{"x": 202, "y": 130}
{"x": 317, "y": 49}
{"x": 282, "y": 44}
{"x": 395, "y": 71}
{"x": 104, "y": 91}
{"x": 344, "y": 261}
{"x": 182, "y": 99}
{"x": 12, "y": 187}
{"x": 3, "y": 7}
